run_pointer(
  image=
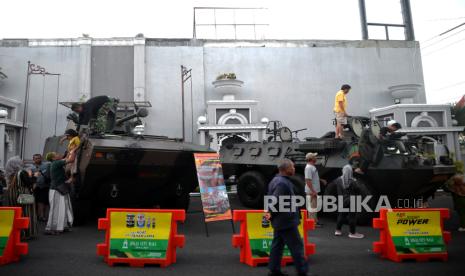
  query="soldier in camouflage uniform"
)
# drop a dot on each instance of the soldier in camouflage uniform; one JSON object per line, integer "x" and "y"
{"x": 95, "y": 112}
{"x": 99, "y": 125}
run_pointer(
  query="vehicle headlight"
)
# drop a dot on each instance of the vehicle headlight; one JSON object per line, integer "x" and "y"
{"x": 139, "y": 130}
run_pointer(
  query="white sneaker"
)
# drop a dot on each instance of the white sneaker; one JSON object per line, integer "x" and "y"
{"x": 337, "y": 233}
{"x": 356, "y": 236}
{"x": 461, "y": 229}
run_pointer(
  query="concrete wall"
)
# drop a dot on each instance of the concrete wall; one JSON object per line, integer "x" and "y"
{"x": 294, "y": 81}
{"x": 43, "y": 92}
{"x": 297, "y": 85}
{"x": 113, "y": 71}
{"x": 163, "y": 90}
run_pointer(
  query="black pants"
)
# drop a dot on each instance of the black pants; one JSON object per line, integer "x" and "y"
{"x": 291, "y": 238}
{"x": 350, "y": 216}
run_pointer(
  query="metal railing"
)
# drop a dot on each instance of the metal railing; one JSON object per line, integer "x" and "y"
{"x": 254, "y": 25}
{"x": 386, "y": 27}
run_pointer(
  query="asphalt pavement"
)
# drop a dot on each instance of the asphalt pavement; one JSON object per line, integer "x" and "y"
{"x": 75, "y": 253}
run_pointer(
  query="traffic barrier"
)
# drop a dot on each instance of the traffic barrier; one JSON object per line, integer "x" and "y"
{"x": 256, "y": 234}
{"x": 11, "y": 224}
{"x": 141, "y": 236}
{"x": 412, "y": 234}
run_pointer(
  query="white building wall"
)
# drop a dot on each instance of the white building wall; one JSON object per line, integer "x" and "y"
{"x": 294, "y": 81}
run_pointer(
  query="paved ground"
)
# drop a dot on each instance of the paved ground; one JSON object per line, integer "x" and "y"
{"x": 75, "y": 253}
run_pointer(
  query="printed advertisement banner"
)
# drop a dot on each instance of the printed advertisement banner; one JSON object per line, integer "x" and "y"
{"x": 6, "y": 224}
{"x": 139, "y": 234}
{"x": 213, "y": 191}
{"x": 260, "y": 234}
{"x": 416, "y": 232}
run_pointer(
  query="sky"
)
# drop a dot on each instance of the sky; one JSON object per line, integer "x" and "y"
{"x": 442, "y": 56}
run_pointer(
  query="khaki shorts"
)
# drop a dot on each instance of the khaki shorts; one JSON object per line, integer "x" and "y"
{"x": 341, "y": 118}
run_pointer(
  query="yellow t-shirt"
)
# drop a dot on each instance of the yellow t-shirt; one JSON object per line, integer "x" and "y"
{"x": 340, "y": 97}
{"x": 74, "y": 143}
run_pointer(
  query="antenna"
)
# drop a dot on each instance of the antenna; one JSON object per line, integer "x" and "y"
{"x": 186, "y": 74}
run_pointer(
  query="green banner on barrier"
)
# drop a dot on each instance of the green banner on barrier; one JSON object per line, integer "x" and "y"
{"x": 260, "y": 234}
{"x": 139, "y": 234}
{"x": 416, "y": 232}
{"x": 6, "y": 224}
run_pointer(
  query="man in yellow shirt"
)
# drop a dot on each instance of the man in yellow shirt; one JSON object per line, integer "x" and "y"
{"x": 340, "y": 110}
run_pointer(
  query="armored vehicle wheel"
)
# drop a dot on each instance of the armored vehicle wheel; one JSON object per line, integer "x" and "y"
{"x": 251, "y": 189}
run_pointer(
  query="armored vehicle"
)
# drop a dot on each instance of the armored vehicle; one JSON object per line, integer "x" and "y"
{"x": 402, "y": 169}
{"x": 122, "y": 167}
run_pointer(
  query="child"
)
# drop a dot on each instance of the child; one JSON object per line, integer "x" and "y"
{"x": 74, "y": 142}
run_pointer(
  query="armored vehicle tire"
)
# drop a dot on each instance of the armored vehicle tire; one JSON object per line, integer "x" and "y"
{"x": 251, "y": 189}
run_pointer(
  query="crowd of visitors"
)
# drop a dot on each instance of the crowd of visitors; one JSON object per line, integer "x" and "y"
{"x": 42, "y": 189}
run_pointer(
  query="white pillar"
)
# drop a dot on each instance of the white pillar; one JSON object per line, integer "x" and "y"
{"x": 254, "y": 135}
{"x": 457, "y": 150}
{"x": 139, "y": 69}
{"x": 85, "y": 65}
{"x": 202, "y": 137}
{"x": 2, "y": 146}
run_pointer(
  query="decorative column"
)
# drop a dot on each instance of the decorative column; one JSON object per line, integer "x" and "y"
{"x": 228, "y": 87}
{"x": 404, "y": 93}
{"x": 202, "y": 120}
{"x": 2, "y": 146}
{"x": 139, "y": 68}
{"x": 85, "y": 68}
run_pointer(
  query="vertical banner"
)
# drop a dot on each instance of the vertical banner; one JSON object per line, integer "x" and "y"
{"x": 416, "y": 232}
{"x": 139, "y": 234}
{"x": 6, "y": 225}
{"x": 213, "y": 192}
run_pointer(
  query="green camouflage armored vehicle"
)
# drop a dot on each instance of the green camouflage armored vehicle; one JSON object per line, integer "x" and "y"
{"x": 402, "y": 169}
{"x": 125, "y": 168}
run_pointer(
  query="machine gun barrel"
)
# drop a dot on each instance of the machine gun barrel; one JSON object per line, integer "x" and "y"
{"x": 299, "y": 130}
{"x": 125, "y": 119}
{"x": 142, "y": 112}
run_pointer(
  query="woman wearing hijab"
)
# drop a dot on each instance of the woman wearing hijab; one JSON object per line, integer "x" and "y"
{"x": 346, "y": 187}
{"x": 19, "y": 190}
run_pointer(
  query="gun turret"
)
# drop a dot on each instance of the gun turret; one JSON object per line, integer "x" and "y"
{"x": 141, "y": 113}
